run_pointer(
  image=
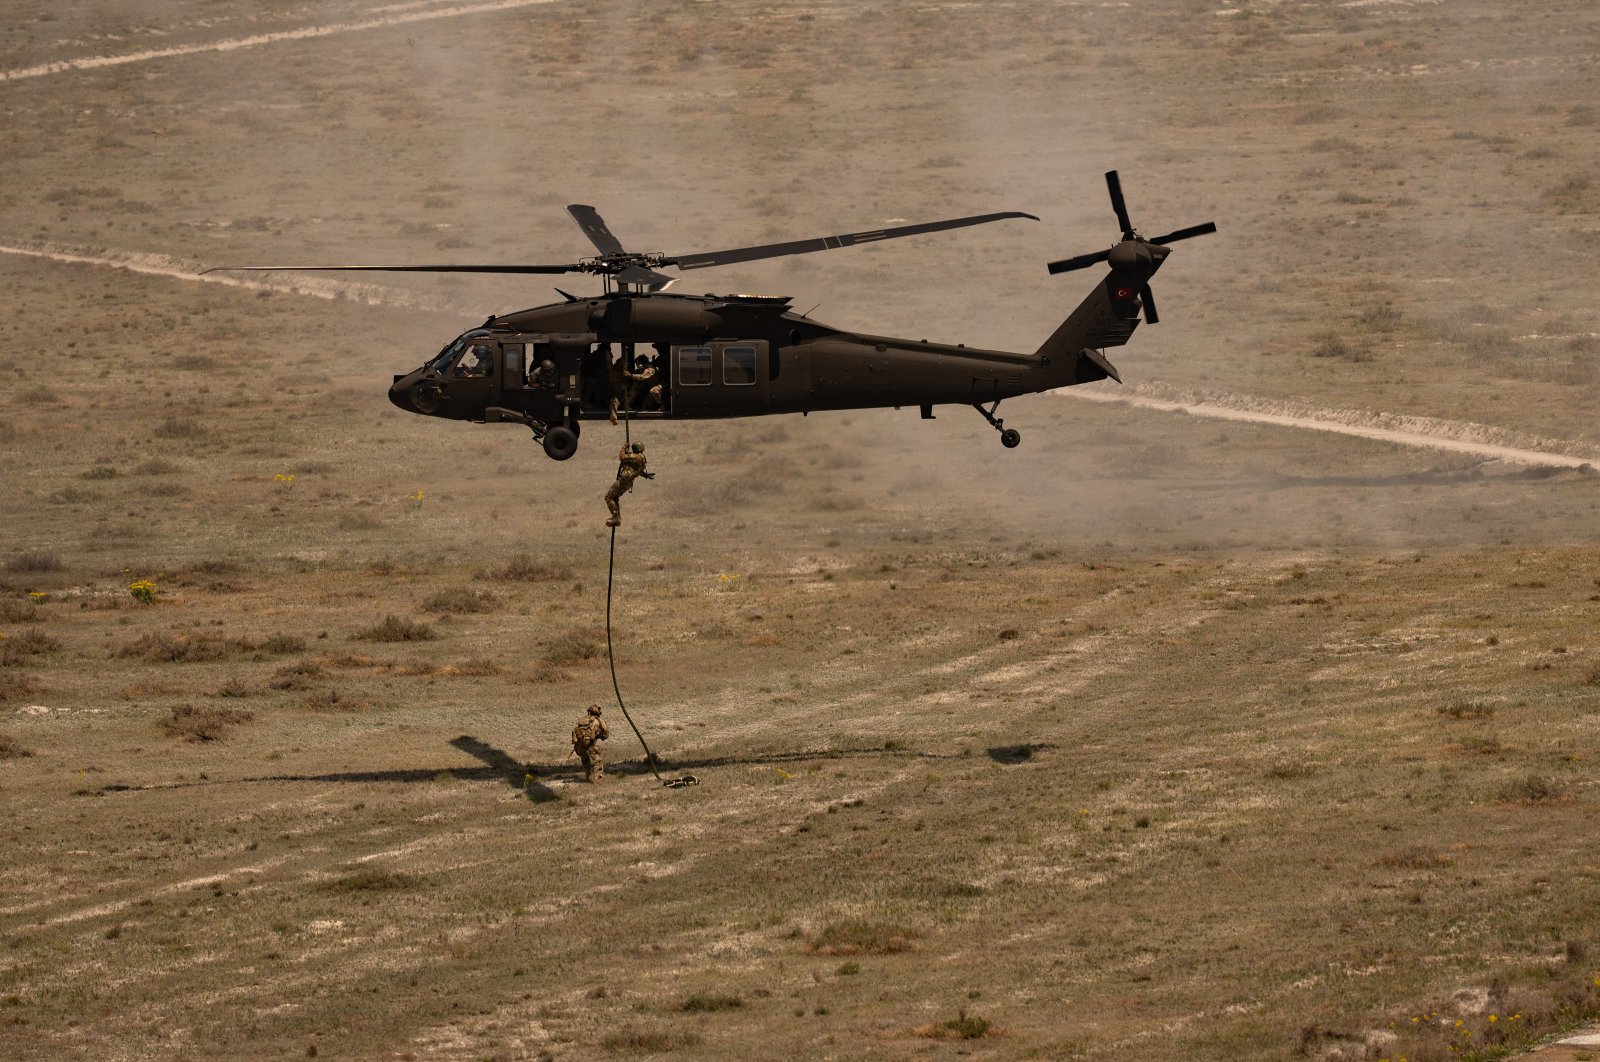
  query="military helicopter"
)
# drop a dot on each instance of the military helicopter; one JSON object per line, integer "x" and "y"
{"x": 663, "y": 355}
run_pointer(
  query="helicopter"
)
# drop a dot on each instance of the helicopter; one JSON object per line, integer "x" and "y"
{"x": 655, "y": 354}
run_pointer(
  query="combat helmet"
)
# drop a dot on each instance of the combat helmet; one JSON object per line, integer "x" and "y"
{"x": 594, "y": 710}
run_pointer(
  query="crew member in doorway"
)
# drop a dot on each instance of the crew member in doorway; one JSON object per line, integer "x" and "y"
{"x": 586, "y": 738}
{"x": 630, "y": 466}
{"x": 647, "y": 377}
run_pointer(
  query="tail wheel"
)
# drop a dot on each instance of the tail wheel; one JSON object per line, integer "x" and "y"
{"x": 560, "y": 443}
{"x": 1010, "y": 438}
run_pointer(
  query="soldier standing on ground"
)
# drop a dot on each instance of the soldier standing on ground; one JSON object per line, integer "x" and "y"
{"x": 630, "y": 466}
{"x": 586, "y": 738}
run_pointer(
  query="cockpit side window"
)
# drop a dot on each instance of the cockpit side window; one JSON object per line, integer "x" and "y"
{"x": 476, "y": 361}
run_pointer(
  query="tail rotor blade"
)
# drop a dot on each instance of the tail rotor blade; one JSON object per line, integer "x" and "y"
{"x": 1147, "y": 298}
{"x": 1080, "y": 262}
{"x": 1184, "y": 234}
{"x": 1114, "y": 186}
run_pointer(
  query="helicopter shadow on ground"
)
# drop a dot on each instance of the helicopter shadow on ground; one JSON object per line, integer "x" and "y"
{"x": 499, "y": 765}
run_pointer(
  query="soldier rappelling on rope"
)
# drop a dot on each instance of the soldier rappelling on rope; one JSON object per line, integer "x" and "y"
{"x": 630, "y": 466}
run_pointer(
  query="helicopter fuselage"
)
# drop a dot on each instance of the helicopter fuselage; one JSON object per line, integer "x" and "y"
{"x": 729, "y": 356}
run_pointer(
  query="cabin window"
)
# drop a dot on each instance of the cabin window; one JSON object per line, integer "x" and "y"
{"x": 512, "y": 353}
{"x": 739, "y": 366}
{"x": 694, "y": 366}
{"x": 478, "y": 361}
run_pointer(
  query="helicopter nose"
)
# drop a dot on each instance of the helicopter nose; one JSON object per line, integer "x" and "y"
{"x": 399, "y": 394}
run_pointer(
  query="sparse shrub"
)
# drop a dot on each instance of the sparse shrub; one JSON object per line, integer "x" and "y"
{"x": 1466, "y": 710}
{"x": 19, "y": 610}
{"x": 15, "y": 685}
{"x": 280, "y": 643}
{"x": 331, "y": 700}
{"x": 461, "y": 599}
{"x": 574, "y": 646}
{"x": 299, "y": 676}
{"x": 167, "y": 647}
{"x": 1291, "y": 769}
{"x": 394, "y": 629}
{"x": 143, "y": 591}
{"x": 862, "y": 938}
{"x": 369, "y": 879}
{"x": 1481, "y": 745}
{"x": 1531, "y": 789}
{"x": 476, "y": 667}
{"x": 205, "y": 722}
{"x": 522, "y": 568}
{"x": 701, "y": 1003}
{"x": 178, "y": 428}
{"x": 359, "y": 522}
{"x": 235, "y": 687}
{"x": 633, "y": 1040}
{"x": 1415, "y": 857}
{"x": 963, "y": 1026}
{"x": 100, "y": 472}
{"x": 31, "y": 642}
{"x": 34, "y": 561}
{"x": 156, "y": 466}
{"x": 1381, "y": 318}
{"x": 11, "y": 750}
{"x": 1333, "y": 345}
{"x": 848, "y": 969}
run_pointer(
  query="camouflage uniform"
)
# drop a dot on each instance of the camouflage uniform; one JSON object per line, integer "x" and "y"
{"x": 586, "y": 738}
{"x": 648, "y": 376}
{"x": 631, "y": 467}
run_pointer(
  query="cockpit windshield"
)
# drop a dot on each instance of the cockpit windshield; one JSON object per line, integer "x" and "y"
{"x": 441, "y": 363}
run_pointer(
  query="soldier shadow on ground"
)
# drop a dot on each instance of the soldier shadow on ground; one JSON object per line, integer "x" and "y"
{"x": 499, "y": 765}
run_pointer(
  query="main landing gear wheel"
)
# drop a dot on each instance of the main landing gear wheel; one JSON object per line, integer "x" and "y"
{"x": 1010, "y": 437}
{"x": 560, "y": 443}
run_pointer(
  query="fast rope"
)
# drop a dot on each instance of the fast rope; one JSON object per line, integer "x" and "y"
{"x": 611, "y": 659}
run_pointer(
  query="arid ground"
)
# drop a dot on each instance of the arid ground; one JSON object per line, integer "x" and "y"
{"x": 1159, "y": 737}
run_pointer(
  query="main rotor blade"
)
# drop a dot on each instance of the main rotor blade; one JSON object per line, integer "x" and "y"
{"x": 1082, "y": 260}
{"x": 1147, "y": 299}
{"x": 828, "y": 243}
{"x": 1114, "y": 185}
{"x": 594, "y": 227}
{"x": 1184, "y": 234}
{"x": 574, "y": 268}
{"x": 648, "y": 278}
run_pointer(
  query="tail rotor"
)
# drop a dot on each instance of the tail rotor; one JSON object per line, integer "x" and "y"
{"x": 1134, "y": 258}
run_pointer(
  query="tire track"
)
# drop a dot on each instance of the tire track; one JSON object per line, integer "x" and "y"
{"x": 157, "y": 265}
{"x": 94, "y": 62}
{"x": 1444, "y": 435}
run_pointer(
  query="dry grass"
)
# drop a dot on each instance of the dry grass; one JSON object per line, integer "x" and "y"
{"x": 1203, "y": 800}
{"x": 12, "y": 749}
